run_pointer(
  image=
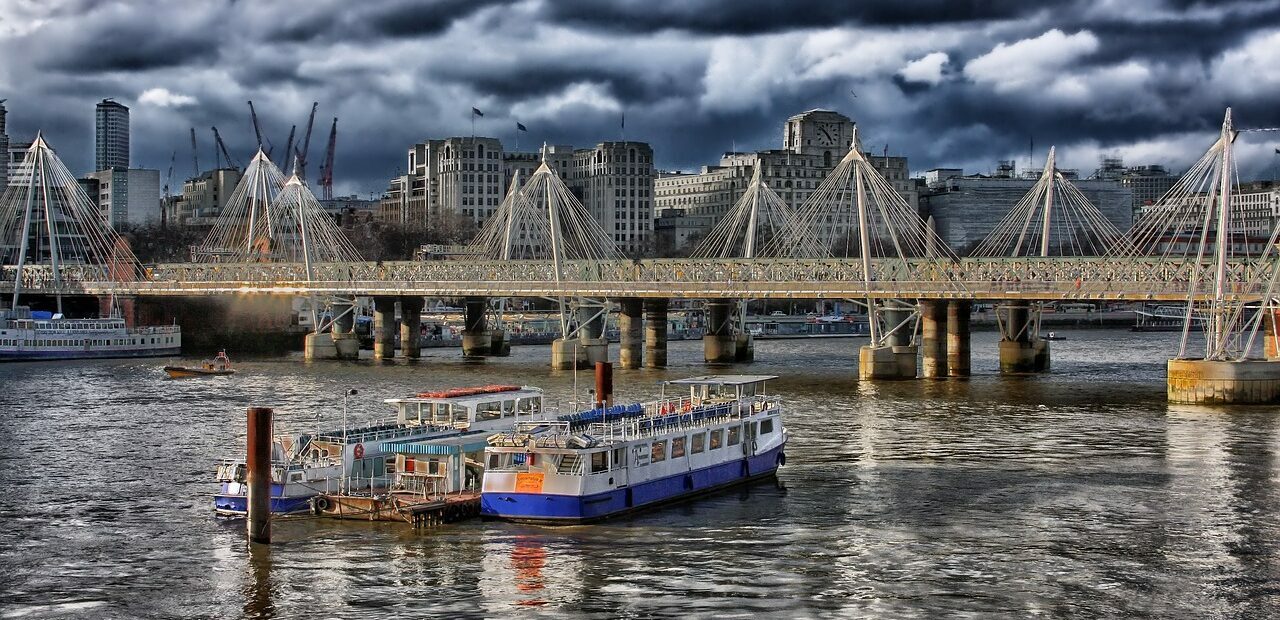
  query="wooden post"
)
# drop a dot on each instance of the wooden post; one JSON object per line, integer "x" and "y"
{"x": 258, "y": 463}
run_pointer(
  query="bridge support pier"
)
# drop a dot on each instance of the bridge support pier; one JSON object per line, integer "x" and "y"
{"x": 958, "y": 358}
{"x": 719, "y": 345}
{"x": 631, "y": 333}
{"x": 1213, "y": 382}
{"x": 345, "y": 341}
{"x": 655, "y": 333}
{"x": 384, "y": 327}
{"x": 895, "y": 356}
{"x": 933, "y": 339}
{"x": 476, "y": 339}
{"x": 1022, "y": 351}
{"x": 411, "y": 327}
{"x": 1271, "y": 334}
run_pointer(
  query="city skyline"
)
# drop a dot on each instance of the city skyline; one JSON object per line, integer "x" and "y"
{"x": 944, "y": 84}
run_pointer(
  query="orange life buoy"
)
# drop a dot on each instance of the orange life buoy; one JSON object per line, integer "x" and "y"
{"x": 359, "y": 451}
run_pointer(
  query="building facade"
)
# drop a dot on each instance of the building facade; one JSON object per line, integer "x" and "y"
{"x": 204, "y": 197}
{"x": 125, "y": 196}
{"x": 4, "y": 148}
{"x": 1148, "y": 183}
{"x": 111, "y": 133}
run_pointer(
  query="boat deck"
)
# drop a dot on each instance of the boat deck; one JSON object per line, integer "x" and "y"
{"x": 399, "y": 506}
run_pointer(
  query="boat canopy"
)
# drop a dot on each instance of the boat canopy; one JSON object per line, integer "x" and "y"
{"x": 722, "y": 380}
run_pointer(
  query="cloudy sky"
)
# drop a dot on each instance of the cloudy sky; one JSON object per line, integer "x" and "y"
{"x": 946, "y": 82}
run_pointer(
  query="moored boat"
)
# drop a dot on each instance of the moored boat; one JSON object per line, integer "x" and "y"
{"x": 219, "y": 366}
{"x": 606, "y": 462}
{"x": 346, "y": 460}
{"x": 27, "y": 335}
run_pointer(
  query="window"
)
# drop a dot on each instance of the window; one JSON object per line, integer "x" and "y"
{"x": 766, "y": 426}
{"x": 677, "y": 447}
{"x": 735, "y": 435}
{"x": 659, "y": 451}
{"x": 599, "y": 461}
{"x": 489, "y": 411}
{"x": 716, "y": 435}
{"x": 699, "y": 443}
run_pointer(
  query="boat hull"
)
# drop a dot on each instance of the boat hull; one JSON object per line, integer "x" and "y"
{"x": 12, "y": 355}
{"x": 183, "y": 372}
{"x": 572, "y": 509}
{"x": 237, "y": 505}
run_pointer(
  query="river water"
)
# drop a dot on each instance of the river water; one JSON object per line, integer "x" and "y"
{"x": 1080, "y": 493}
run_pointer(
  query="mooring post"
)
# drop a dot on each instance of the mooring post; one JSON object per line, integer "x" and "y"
{"x": 604, "y": 384}
{"x": 258, "y": 462}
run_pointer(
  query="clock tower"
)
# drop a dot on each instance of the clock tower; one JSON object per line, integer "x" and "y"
{"x": 818, "y": 132}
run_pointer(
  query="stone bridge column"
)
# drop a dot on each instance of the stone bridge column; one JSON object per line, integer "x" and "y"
{"x": 346, "y": 343}
{"x": 1021, "y": 350}
{"x": 476, "y": 339}
{"x": 719, "y": 345}
{"x": 631, "y": 333}
{"x": 655, "y": 333}
{"x": 895, "y": 357}
{"x": 595, "y": 345}
{"x": 933, "y": 339}
{"x": 384, "y": 327}
{"x": 958, "y": 358}
{"x": 411, "y": 326}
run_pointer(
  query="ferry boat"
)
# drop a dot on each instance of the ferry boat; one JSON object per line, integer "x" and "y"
{"x": 343, "y": 460}
{"x": 28, "y": 336}
{"x": 606, "y": 462}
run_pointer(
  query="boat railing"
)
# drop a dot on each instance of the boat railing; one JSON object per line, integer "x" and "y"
{"x": 544, "y": 434}
{"x": 378, "y": 433}
{"x": 679, "y": 414}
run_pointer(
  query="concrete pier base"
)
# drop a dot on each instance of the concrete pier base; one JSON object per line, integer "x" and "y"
{"x": 319, "y": 347}
{"x": 655, "y": 333}
{"x": 498, "y": 345}
{"x": 476, "y": 343}
{"x": 744, "y": 348}
{"x": 719, "y": 348}
{"x": 1024, "y": 357}
{"x": 411, "y": 327}
{"x": 346, "y": 345}
{"x": 1204, "y": 382}
{"x": 384, "y": 327}
{"x": 568, "y": 353}
{"x": 631, "y": 333}
{"x": 958, "y": 356}
{"x": 933, "y": 339}
{"x": 476, "y": 339}
{"x": 886, "y": 362}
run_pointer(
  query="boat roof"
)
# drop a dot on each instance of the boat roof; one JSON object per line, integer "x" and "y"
{"x": 722, "y": 380}
{"x": 469, "y": 399}
{"x": 440, "y": 446}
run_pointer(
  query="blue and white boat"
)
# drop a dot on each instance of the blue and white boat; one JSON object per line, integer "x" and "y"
{"x": 27, "y": 335}
{"x": 364, "y": 459}
{"x": 602, "y": 463}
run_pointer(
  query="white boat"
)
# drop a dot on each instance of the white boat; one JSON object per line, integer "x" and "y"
{"x": 602, "y": 463}
{"x": 30, "y": 336}
{"x": 363, "y": 459}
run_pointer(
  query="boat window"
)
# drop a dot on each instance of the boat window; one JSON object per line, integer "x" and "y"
{"x": 748, "y": 390}
{"x": 599, "y": 461}
{"x": 699, "y": 443}
{"x": 494, "y": 459}
{"x": 677, "y": 447}
{"x": 491, "y": 410}
{"x": 716, "y": 437}
{"x": 508, "y": 408}
{"x": 735, "y": 435}
{"x": 766, "y": 426}
{"x": 458, "y": 413}
{"x": 617, "y": 458}
{"x": 659, "y": 451}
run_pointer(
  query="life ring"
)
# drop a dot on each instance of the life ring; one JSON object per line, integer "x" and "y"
{"x": 688, "y": 406}
{"x": 359, "y": 451}
{"x": 321, "y": 504}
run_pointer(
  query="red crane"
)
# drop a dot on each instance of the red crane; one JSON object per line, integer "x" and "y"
{"x": 326, "y": 168}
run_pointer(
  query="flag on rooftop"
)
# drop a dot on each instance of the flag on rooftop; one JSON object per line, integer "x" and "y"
{"x": 476, "y": 112}
{"x": 521, "y": 127}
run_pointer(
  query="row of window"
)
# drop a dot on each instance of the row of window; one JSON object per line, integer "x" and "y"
{"x": 61, "y": 342}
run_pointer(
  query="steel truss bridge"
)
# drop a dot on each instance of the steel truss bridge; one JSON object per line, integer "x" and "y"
{"x": 1158, "y": 279}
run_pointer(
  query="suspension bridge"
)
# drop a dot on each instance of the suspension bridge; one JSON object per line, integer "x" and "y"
{"x": 854, "y": 238}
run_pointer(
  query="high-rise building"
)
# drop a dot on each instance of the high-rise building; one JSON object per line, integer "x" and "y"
{"x": 4, "y": 148}
{"x": 1148, "y": 183}
{"x": 111, "y": 145}
{"x": 125, "y": 196}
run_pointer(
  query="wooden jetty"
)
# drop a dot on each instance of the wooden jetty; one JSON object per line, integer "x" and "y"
{"x": 408, "y": 507}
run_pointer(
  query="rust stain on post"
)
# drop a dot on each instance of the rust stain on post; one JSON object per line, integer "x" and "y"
{"x": 258, "y": 462}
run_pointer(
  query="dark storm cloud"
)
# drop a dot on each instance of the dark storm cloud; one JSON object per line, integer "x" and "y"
{"x": 695, "y": 79}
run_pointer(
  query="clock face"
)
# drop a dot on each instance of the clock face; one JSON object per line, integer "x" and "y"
{"x": 828, "y": 134}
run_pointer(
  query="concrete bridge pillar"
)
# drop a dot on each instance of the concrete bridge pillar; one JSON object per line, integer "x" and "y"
{"x": 1271, "y": 334}
{"x": 1212, "y": 382}
{"x": 346, "y": 343}
{"x": 476, "y": 339}
{"x": 1022, "y": 350}
{"x": 655, "y": 333}
{"x": 384, "y": 327}
{"x": 594, "y": 345}
{"x": 958, "y": 359}
{"x": 411, "y": 326}
{"x": 719, "y": 346}
{"x": 933, "y": 339}
{"x": 895, "y": 357}
{"x": 631, "y": 333}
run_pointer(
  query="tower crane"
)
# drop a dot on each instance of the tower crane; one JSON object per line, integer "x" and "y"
{"x": 326, "y": 168}
{"x": 195, "y": 155}
{"x": 221, "y": 146}
{"x": 306, "y": 143}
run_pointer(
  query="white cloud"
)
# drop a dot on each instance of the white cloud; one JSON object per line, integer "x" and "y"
{"x": 1030, "y": 63}
{"x": 574, "y": 98}
{"x": 1251, "y": 70}
{"x": 926, "y": 70}
{"x": 163, "y": 98}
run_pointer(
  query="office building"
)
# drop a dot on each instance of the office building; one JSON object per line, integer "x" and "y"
{"x": 203, "y": 198}
{"x": 4, "y": 148}
{"x": 111, "y": 131}
{"x": 125, "y": 196}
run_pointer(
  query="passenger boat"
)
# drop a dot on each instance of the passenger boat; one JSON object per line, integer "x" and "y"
{"x": 342, "y": 460}
{"x": 29, "y": 336}
{"x": 219, "y": 366}
{"x": 606, "y": 462}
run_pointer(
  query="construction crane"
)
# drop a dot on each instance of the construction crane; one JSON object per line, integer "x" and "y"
{"x": 195, "y": 154}
{"x": 326, "y": 168}
{"x": 168, "y": 183}
{"x": 306, "y": 143}
{"x": 257, "y": 130}
{"x": 288, "y": 150}
{"x": 219, "y": 145}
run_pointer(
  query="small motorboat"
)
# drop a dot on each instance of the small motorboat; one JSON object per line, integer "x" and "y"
{"x": 216, "y": 367}
{"x": 1054, "y": 336}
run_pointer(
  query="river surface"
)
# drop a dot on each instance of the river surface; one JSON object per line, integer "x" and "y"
{"x": 1079, "y": 493}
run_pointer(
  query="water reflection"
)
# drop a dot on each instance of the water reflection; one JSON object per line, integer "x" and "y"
{"x": 259, "y": 593}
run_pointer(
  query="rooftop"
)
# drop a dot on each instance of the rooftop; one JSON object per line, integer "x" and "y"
{"x": 722, "y": 380}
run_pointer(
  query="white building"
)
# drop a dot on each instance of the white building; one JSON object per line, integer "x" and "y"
{"x": 126, "y": 196}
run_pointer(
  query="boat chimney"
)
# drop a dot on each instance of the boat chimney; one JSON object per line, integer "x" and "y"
{"x": 258, "y": 463}
{"x": 604, "y": 384}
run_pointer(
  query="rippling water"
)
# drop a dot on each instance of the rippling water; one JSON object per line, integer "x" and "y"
{"x": 1075, "y": 494}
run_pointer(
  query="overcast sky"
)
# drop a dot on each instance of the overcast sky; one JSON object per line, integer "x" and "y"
{"x": 945, "y": 82}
